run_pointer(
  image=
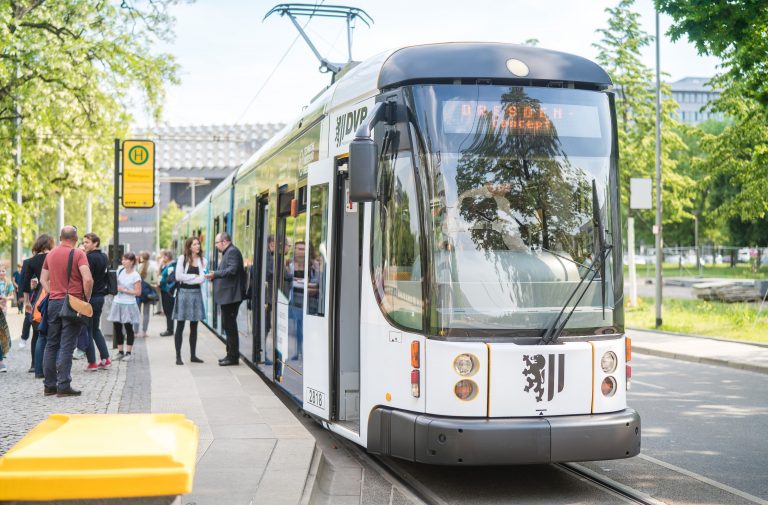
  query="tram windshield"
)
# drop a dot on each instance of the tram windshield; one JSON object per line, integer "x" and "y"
{"x": 510, "y": 174}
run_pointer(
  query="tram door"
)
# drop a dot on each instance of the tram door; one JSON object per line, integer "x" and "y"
{"x": 263, "y": 291}
{"x": 332, "y": 310}
{"x": 318, "y": 333}
{"x": 348, "y": 267}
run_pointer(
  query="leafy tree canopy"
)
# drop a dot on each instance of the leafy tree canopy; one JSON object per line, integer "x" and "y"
{"x": 735, "y": 31}
{"x": 69, "y": 70}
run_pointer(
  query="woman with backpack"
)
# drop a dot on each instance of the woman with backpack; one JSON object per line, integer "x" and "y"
{"x": 124, "y": 311}
{"x": 32, "y": 269}
{"x": 191, "y": 268}
{"x": 167, "y": 290}
{"x": 148, "y": 295}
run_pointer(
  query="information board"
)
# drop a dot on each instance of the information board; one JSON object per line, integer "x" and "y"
{"x": 138, "y": 181}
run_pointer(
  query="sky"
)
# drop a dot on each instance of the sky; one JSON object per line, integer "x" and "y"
{"x": 236, "y": 68}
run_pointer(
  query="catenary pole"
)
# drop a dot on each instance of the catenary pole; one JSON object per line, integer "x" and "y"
{"x": 659, "y": 241}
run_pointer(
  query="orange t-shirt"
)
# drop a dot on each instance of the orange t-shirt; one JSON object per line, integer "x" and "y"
{"x": 56, "y": 264}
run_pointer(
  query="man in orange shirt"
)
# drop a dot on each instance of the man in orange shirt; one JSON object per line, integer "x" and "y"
{"x": 62, "y": 333}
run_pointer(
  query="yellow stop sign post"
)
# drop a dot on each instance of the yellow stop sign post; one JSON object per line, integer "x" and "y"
{"x": 138, "y": 185}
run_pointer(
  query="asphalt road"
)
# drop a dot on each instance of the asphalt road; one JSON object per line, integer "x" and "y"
{"x": 708, "y": 419}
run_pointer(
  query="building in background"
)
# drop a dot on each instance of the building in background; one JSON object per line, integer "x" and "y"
{"x": 189, "y": 161}
{"x": 691, "y": 95}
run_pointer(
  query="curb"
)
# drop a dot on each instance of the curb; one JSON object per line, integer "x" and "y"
{"x": 697, "y": 359}
{"x": 691, "y": 335}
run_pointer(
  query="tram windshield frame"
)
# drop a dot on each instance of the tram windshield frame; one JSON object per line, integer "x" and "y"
{"x": 509, "y": 228}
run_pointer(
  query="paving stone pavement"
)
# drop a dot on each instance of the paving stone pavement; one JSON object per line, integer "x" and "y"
{"x": 23, "y": 405}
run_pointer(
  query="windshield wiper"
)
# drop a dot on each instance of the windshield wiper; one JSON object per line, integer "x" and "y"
{"x": 598, "y": 266}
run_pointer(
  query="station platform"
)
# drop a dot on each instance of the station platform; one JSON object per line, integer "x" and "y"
{"x": 252, "y": 448}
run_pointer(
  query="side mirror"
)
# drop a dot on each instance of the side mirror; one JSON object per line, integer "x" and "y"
{"x": 364, "y": 159}
{"x": 363, "y": 170}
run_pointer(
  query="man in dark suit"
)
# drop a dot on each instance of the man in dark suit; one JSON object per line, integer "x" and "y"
{"x": 228, "y": 289}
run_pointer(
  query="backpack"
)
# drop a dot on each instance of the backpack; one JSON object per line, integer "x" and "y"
{"x": 148, "y": 295}
{"x": 40, "y": 298}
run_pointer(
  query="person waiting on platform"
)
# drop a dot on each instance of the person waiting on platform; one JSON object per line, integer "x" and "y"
{"x": 190, "y": 275}
{"x": 124, "y": 311}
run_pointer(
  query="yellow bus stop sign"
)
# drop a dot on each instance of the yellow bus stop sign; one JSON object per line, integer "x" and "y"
{"x": 138, "y": 184}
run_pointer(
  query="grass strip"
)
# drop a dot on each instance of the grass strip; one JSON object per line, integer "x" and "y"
{"x": 736, "y": 321}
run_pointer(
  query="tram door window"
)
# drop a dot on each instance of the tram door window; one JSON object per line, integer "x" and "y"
{"x": 290, "y": 265}
{"x": 213, "y": 254}
{"x": 263, "y": 291}
{"x": 347, "y": 305}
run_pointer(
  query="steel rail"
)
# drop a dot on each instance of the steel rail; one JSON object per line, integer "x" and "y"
{"x": 602, "y": 482}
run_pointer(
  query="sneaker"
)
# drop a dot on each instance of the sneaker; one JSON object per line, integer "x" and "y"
{"x": 92, "y": 367}
{"x": 3, "y": 367}
{"x": 119, "y": 356}
{"x": 22, "y": 344}
{"x": 127, "y": 357}
{"x": 78, "y": 354}
{"x": 104, "y": 364}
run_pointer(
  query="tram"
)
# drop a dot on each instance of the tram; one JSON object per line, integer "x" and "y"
{"x": 434, "y": 257}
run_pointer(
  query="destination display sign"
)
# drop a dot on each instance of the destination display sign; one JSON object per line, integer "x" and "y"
{"x": 138, "y": 180}
{"x": 523, "y": 118}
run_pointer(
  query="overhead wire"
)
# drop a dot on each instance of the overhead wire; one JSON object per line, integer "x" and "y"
{"x": 274, "y": 70}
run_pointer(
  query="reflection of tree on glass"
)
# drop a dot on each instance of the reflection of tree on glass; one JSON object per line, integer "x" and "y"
{"x": 396, "y": 255}
{"x": 516, "y": 186}
{"x": 510, "y": 202}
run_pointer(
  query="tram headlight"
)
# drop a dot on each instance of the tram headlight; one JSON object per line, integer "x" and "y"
{"x": 608, "y": 387}
{"x": 609, "y": 362}
{"x": 465, "y": 390}
{"x": 466, "y": 364}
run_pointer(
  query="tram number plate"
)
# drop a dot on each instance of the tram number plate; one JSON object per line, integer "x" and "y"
{"x": 316, "y": 398}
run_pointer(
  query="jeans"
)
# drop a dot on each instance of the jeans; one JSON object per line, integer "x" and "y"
{"x": 146, "y": 309}
{"x": 168, "y": 301}
{"x": 39, "y": 348}
{"x": 97, "y": 338}
{"x": 229, "y": 325}
{"x": 62, "y": 337}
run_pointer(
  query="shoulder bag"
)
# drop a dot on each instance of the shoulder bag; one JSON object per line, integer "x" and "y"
{"x": 75, "y": 309}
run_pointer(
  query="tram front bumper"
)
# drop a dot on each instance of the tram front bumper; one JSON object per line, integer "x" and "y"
{"x": 503, "y": 441}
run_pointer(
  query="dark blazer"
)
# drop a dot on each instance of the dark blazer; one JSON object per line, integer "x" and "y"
{"x": 229, "y": 278}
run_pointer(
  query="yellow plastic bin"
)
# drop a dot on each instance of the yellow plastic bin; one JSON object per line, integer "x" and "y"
{"x": 70, "y": 457}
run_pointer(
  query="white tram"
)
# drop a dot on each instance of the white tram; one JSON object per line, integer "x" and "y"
{"x": 434, "y": 255}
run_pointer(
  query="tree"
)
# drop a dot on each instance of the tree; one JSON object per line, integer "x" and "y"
{"x": 734, "y": 31}
{"x": 72, "y": 66}
{"x": 736, "y": 159}
{"x": 168, "y": 221}
{"x": 619, "y": 54}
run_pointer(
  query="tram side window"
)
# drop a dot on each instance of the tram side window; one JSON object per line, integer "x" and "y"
{"x": 396, "y": 254}
{"x": 318, "y": 249}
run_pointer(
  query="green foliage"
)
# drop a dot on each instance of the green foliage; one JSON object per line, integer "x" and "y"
{"x": 619, "y": 52}
{"x": 735, "y": 159}
{"x": 168, "y": 220}
{"x": 72, "y": 67}
{"x": 735, "y": 31}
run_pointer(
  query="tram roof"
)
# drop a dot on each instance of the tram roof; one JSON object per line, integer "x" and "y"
{"x": 484, "y": 60}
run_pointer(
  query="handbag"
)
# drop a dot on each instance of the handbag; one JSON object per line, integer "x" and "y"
{"x": 112, "y": 282}
{"x": 75, "y": 309}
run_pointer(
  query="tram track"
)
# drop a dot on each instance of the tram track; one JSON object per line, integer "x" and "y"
{"x": 608, "y": 485}
{"x": 424, "y": 493}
